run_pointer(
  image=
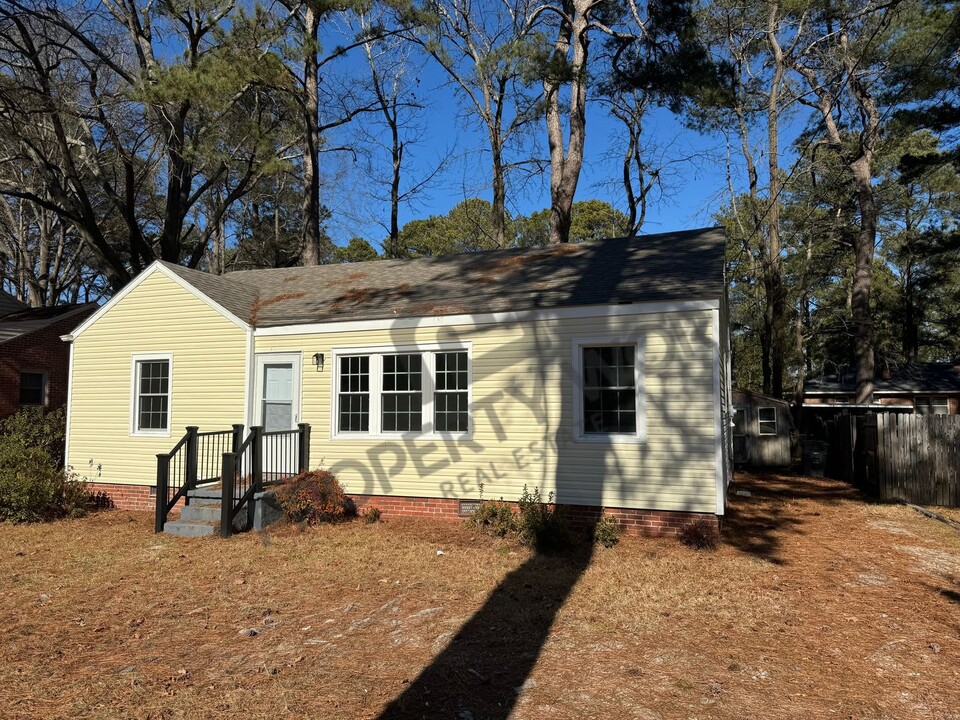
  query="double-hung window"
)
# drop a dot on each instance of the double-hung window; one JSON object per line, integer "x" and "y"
{"x": 450, "y": 395}
{"x": 402, "y": 391}
{"x": 33, "y": 388}
{"x": 608, "y": 390}
{"x": 767, "y": 419}
{"x": 151, "y": 394}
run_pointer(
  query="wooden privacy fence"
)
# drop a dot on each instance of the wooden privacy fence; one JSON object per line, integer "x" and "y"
{"x": 915, "y": 458}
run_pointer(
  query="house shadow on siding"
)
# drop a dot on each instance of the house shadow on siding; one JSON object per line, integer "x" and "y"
{"x": 481, "y": 673}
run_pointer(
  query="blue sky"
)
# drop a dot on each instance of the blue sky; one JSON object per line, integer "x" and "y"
{"x": 694, "y": 189}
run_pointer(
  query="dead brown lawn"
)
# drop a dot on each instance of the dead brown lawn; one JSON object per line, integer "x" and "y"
{"x": 817, "y": 605}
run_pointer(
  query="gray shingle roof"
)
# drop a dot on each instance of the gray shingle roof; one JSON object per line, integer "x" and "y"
{"x": 669, "y": 266}
{"x": 906, "y": 378}
{"x": 9, "y": 304}
{"x": 32, "y": 319}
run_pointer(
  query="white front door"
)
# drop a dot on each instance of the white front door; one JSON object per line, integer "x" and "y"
{"x": 278, "y": 411}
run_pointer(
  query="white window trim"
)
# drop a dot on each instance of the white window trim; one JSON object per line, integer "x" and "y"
{"x": 135, "y": 361}
{"x": 376, "y": 353}
{"x": 640, "y": 436}
{"x": 44, "y": 389}
{"x": 776, "y": 422}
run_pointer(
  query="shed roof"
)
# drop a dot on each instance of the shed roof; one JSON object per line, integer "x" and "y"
{"x": 684, "y": 265}
{"x": 907, "y": 378}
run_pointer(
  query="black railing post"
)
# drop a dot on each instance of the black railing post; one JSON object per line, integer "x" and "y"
{"x": 237, "y": 438}
{"x": 163, "y": 482}
{"x": 228, "y": 474}
{"x": 193, "y": 461}
{"x": 303, "y": 450}
{"x": 256, "y": 456}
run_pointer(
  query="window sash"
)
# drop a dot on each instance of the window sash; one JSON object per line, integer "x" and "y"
{"x": 451, "y": 397}
{"x": 768, "y": 425}
{"x": 931, "y": 405}
{"x": 415, "y": 391}
{"x": 152, "y": 388}
{"x": 609, "y": 389}
{"x": 353, "y": 403}
{"x": 33, "y": 387}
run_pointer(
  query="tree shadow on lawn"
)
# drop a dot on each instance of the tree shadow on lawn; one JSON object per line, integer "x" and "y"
{"x": 758, "y": 523}
{"x": 481, "y": 672}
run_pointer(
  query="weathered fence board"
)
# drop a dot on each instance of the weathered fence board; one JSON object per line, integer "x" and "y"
{"x": 895, "y": 456}
{"x": 910, "y": 457}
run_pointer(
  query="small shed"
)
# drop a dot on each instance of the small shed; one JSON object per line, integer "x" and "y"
{"x": 762, "y": 428}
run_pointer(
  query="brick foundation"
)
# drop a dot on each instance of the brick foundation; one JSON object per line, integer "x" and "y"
{"x": 647, "y": 523}
{"x": 126, "y": 497}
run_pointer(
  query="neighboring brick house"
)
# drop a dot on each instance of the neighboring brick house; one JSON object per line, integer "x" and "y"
{"x": 926, "y": 388}
{"x": 34, "y": 361}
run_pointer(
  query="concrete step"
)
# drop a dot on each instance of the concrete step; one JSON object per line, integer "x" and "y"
{"x": 209, "y": 496}
{"x": 187, "y": 528}
{"x": 200, "y": 512}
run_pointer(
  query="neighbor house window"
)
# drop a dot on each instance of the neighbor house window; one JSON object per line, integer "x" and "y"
{"x": 768, "y": 420}
{"x": 608, "y": 398}
{"x": 152, "y": 395}
{"x": 33, "y": 388}
{"x": 419, "y": 391}
{"x": 354, "y": 396}
{"x": 450, "y": 392}
{"x": 931, "y": 405}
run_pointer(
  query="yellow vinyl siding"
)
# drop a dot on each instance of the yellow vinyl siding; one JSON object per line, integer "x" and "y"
{"x": 522, "y": 403}
{"x": 209, "y": 361}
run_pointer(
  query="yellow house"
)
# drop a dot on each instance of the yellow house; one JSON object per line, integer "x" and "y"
{"x": 596, "y": 372}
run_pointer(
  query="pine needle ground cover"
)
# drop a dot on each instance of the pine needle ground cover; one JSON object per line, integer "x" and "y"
{"x": 815, "y": 604}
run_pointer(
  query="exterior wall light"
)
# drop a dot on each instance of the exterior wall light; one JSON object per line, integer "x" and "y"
{"x": 318, "y": 361}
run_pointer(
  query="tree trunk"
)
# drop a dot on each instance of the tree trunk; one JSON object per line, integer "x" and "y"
{"x": 565, "y": 164}
{"x": 865, "y": 241}
{"x": 774, "y": 314}
{"x": 310, "y": 250}
{"x": 498, "y": 210}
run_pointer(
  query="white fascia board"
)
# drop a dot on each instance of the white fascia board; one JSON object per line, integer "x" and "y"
{"x": 400, "y": 323}
{"x": 155, "y": 267}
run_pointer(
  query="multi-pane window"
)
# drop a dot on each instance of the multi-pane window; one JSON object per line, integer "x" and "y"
{"x": 153, "y": 395}
{"x": 32, "y": 388}
{"x": 609, "y": 389}
{"x": 402, "y": 393}
{"x": 768, "y": 420}
{"x": 931, "y": 405}
{"x": 354, "y": 393}
{"x": 450, "y": 398}
{"x": 386, "y": 391}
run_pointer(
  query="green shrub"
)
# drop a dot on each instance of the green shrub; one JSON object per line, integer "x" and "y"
{"x": 37, "y": 427}
{"x": 607, "y": 532}
{"x": 540, "y": 524}
{"x": 33, "y": 489}
{"x": 315, "y": 496}
{"x": 699, "y": 535}
{"x": 494, "y": 517}
{"x": 372, "y": 515}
